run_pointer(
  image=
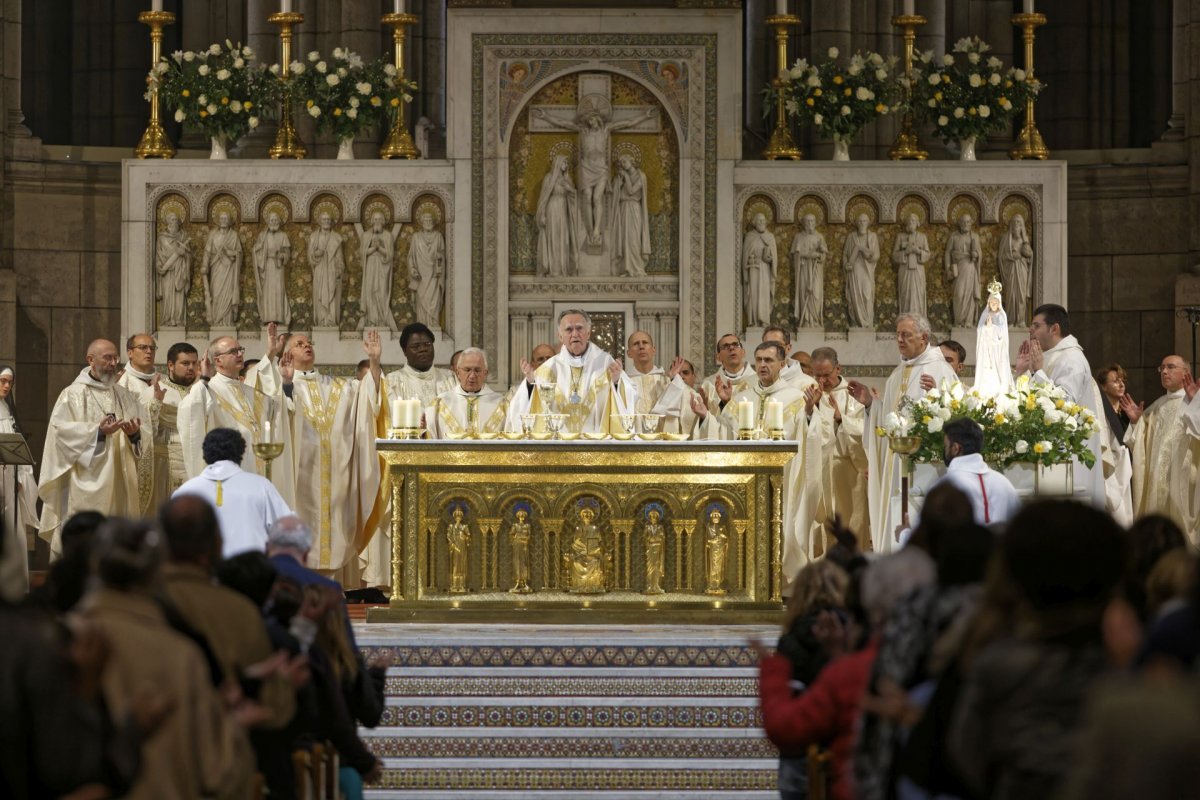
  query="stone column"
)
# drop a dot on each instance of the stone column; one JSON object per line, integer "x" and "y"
{"x": 1181, "y": 19}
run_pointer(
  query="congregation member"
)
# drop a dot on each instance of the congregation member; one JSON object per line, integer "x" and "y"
{"x": 1118, "y": 458}
{"x": 835, "y": 480}
{"x": 471, "y": 407}
{"x": 1165, "y": 439}
{"x": 142, "y": 380}
{"x": 734, "y": 368}
{"x": 955, "y": 354}
{"x": 246, "y": 504}
{"x": 220, "y": 400}
{"x": 418, "y": 379}
{"x": 1052, "y": 354}
{"x": 580, "y": 380}
{"x": 675, "y": 404}
{"x": 93, "y": 448}
{"x": 919, "y": 362}
{"x": 793, "y": 373}
{"x": 18, "y": 501}
{"x": 333, "y": 426}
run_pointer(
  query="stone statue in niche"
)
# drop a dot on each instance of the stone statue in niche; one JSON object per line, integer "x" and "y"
{"x": 1015, "y": 256}
{"x": 809, "y": 251}
{"x": 760, "y": 257}
{"x": 173, "y": 264}
{"x": 377, "y": 248}
{"x": 221, "y": 270}
{"x": 630, "y": 219}
{"x": 909, "y": 254}
{"x": 328, "y": 266}
{"x": 458, "y": 538}
{"x": 427, "y": 271}
{"x": 860, "y": 256}
{"x": 558, "y": 221}
{"x": 272, "y": 251}
{"x": 964, "y": 256}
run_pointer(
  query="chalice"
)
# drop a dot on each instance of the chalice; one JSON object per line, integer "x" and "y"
{"x": 268, "y": 452}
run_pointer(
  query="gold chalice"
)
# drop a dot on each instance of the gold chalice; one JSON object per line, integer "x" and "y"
{"x": 268, "y": 452}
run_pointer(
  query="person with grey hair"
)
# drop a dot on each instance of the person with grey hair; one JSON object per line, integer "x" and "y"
{"x": 921, "y": 365}
{"x": 472, "y": 407}
{"x": 580, "y": 380}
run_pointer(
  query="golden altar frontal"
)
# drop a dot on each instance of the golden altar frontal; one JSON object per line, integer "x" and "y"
{"x": 585, "y": 531}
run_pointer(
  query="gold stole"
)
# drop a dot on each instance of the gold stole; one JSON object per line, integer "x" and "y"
{"x": 321, "y": 416}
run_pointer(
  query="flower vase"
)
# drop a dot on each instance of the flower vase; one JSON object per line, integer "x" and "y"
{"x": 841, "y": 148}
{"x": 346, "y": 148}
{"x": 220, "y": 147}
{"x": 966, "y": 149}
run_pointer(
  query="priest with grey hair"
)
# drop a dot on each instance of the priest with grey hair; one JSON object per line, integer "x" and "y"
{"x": 471, "y": 407}
{"x": 920, "y": 362}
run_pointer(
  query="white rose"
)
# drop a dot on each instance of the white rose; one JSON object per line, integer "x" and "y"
{"x": 958, "y": 113}
{"x": 238, "y": 63}
{"x": 297, "y": 68}
{"x": 935, "y": 424}
{"x": 1045, "y": 446}
{"x": 833, "y": 52}
{"x": 891, "y": 420}
{"x": 863, "y": 93}
{"x": 313, "y": 55}
{"x": 945, "y": 414}
{"x": 973, "y": 58}
{"x": 854, "y": 69}
{"x": 1018, "y": 74}
{"x": 314, "y": 111}
{"x": 252, "y": 122}
{"x": 235, "y": 106}
{"x": 791, "y": 106}
{"x": 202, "y": 100}
{"x": 948, "y": 60}
{"x": 161, "y": 67}
{"x": 222, "y": 74}
{"x": 354, "y": 102}
{"x": 818, "y": 120}
{"x": 274, "y": 69}
{"x": 212, "y": 108}
{"x": 342, "y": 72}
{"x": 845, "y": 111}
{"x": 985, "y": 112}
{"x": 247, "y": 52}
{"x": 875, "y": 59}
{"x": 332, "y": 79}
{"x": 189, "y": 56}
{"x": 339, "y": 52}
{"x": 215, "y": 50}
{"x": 1071, "y": 423}
{"x": 204, "y": 70}
{"x": 943, "y": 120}
{"x": 795, "y": 73}
{"x": 389, "y": 70}
{"x": 814, "y": 80}
{"x": 363, "y": 87}
{"x": 975, "y": 81}
{"x": 934, "y": 79}
{"x": 881, "y": 74}
{"x": 179, "y": 115}
{"x": 1022, "y": 446}
{"x": 177, "y": 55}
{"x": 352, "y": 113}
{"x": 322, "y": 67}
{"x": 994, "y": 79}
{"x": 993, "y": 62}
{"x": 932, "y": 103}
{"x": 1005, "y": 103}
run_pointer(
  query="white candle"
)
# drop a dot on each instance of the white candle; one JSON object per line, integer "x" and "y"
{"x": 773, "y": 415}
{"x": 909, "y": 8}
{"x": 397, "y": 419}
{"x": 412, "y": 413}
{"x": 398, "y": 6}
{"x": 781, "y": 7}
{"x": 267, "y": 431}
{"x": 745, "y": 414}
{"x": 156, "y": 5}
{"x": 1028, "y": 6}
{"x": 285, "y": 6}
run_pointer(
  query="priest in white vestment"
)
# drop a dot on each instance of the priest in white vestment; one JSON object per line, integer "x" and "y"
{"x": 246, "y": 504}
{"x": 418, "y": 379}
{"x": 769, "y": 388}
{"x": 19, "y": 508}
{"x": 334, "y": 423}
{"x": 734, "y": 368}
{"x": 919, "y": 359}
{"x": 471, "y": 407}
{"x": 793, "y": 371}
{"x": 93, "y": 446}
{"x": 220, "y": 400}
{"x": 835, "y": 482}
{"x": 143, "y": 381}
{"x": 675, "y": 403}
{"x": 648, "y": 378}
{"x": 1053, "y": 355}
{"x": 183, "y": 370}
{"x": 1165, "y": 439}
{"x": 581, "y": 381}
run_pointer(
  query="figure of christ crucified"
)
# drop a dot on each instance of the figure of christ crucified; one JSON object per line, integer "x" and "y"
{"x": 594, "y": 131}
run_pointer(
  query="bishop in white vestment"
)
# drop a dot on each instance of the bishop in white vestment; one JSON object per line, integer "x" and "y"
{"x": 471, "y": 407}
{"x": 93, "y": 446}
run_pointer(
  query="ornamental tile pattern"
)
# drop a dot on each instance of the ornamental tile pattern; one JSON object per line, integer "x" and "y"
{"x": 534, "y": 779}
{"x": 423, "y": 746}
{"x": 650, "y": 686}
{"x": 560, "y": 716}
{"x": 452, "y": 655}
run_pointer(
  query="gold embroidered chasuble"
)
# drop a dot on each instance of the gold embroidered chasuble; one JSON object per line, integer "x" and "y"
{"x": 1166, "y": 462}
{"x": 583, "y": 390}
{"x": 459, "y": 414}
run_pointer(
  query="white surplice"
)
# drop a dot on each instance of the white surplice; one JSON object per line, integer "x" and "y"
{"x": 884, "y": 466}
{"x": 246, "y": 505}
{"x": 1118, "y": 475}
{"x": 82, "y": 469}
{"x": 583, "y": 390}
{"x": 1066, "y": 366}
{"x": 407, "y": 383}
{"x": 458, "y": 413}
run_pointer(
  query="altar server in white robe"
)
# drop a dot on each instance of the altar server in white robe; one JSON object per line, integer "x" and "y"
{"x": 769, "y": 358}
{"x": 675, "y": 404}
{"x": 334, "y": 423}
{"x": 471, "y": 407}
{"x": 650, "y": 379}
{"x": 418, "y": 379}
{"x": 581, "y": 381}
{"x": 1053, "y": 355}
{"x": 143, "y": 382}
{"x": 93, "y": 446}
{"x": 835, "y": 482}
{"x": 735, "y": 368}
{"x": 1165, "y": 439}
{"x": 20, "y": 506}
{"x": 920, "y": 361}
{"x": 220, "y": 400}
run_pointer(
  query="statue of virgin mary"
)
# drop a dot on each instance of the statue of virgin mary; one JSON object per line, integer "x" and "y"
{"x": 993, "y": 372}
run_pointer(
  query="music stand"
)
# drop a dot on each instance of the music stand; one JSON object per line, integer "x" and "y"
{"x": 14, "y": 452}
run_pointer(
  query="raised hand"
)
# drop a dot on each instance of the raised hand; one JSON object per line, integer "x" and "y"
{"x": 699, "y": 405}
{"x": 676, "y": 366}
{"x": 110, "y": 425}
{"x": 373, "y": 346}
{"x": 927, "y": 381}
{"x": 206, "y": 365}
{"x": 131, "y": 426}
{"x": 528, "y": 371}
{"x": 286, "y": 370}
{"x": 812, "y": 398}
{"x": 1023, "y": 358}
{"x": 837, "y": 414}
{"x": 614, "y": 370}
{"x": 860, "y": 392}
{"x": 724, "y": 389}
{"x": 275, "y": 341}
{"x": 1190, "y": 387}
{"x": 1135, "y": 410}
{"x": 159, "y": 391}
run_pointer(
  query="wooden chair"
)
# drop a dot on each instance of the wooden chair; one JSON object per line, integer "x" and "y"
{"x": 818, "y": 772}
{"x": 302, "y": 766}
{"x": 332, "y": 765}
{"x": 319, "y": 768}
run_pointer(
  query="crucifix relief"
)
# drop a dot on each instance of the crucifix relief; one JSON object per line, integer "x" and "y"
{"x": 595, "y": 120}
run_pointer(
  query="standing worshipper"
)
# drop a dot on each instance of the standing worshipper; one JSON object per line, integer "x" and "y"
{"x": 418, "y": 379}
{"x": 471, "y": 407}
{"x": 21, "y": 506}
{"x": 1053, "y": 355}
{"x": 734, "y": 368}
{"x": 581, "y": 381}
{"x": 143, "y": 382}
{"x": 920, "y": 362}
{"x": 93, "y": 448}
{"x": 220, "y": 400}
{"x": 1118, "y": 460}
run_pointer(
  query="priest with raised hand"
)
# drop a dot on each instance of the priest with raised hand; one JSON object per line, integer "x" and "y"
{"x": 333, "y": 426}
{"x": 471, "y": 407}
{"x": 648, "y": 378}
{"x": 418, "y": 379}
{"x": 581, "y": 381}
{"x": 220, "y": 400}
{"x": 675, "y": 404}
{"x": 142, "y": 380}
{"x": 1165, "y": 439}
{"x": 1052, "y": 355}
{"x": 734, "y": 369}
{"x": 921, "y": 364}
{"x": 94, "y": 444}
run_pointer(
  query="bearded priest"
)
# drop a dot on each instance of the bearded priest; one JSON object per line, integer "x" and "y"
{"x": 471, "y": 407}
{"x": 922, "y": 365}
{"x": 94, "y": 444}
{"x": 581, "y": 381}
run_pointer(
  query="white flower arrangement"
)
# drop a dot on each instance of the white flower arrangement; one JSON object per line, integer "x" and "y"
{"x": 346, "y": 95}
{"x": 220, "y": 89}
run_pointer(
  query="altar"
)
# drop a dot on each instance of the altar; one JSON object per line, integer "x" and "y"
{"x": 585, "y": 531}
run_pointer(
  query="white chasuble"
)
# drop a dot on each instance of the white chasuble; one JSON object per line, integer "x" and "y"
{"x": 675, "y": 405}
{"x": 407, "y": 383}
{"x": 744, "y": 377}
{"x": 83, "y": 470}
{"x": 1166, "y": 462}
{"x": 139, "y": 385}
{"x": 1066, "y": 366}
{"x": 649, "y": 385}
{"x": 583, "y": 390}
{"x": 459, "y": 414}
{"x": 884, "y": 466}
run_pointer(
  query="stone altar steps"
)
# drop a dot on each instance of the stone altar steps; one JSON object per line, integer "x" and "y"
{"x": 477, "y": 711}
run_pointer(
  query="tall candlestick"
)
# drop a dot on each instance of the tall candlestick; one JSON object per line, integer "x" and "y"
{"x": 909, "y": 8}
{"x": 1029, "y": 143}
{"x": 1028, "y": 6}
{"x": 154, "y": 142}
{"x": 287, "y": 142}
{"x": 781, "y": 7}
{"x": 781, "y": 144}
{"x": 399, "y": 143}
{"x": 907, "y": 146}
{"x": 285, "y": 6}
{"x": 156, "y": 5}
{"x": 398, "y": 7}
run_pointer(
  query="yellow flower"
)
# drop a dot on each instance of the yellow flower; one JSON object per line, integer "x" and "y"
{"x": 837, "y": 79}
{"x": 375, "y": 101}
{"x": 187, "y": 93}
{"x": 925, "y": 420}
{"x": 945, "y": 79}
{"x": 880, "y": 431}
{"x": 309, "y": 104}
{"x": 224, "y": 101}
{"x": 955, "y": 405}
{"x": 1000, "y": 419}
{"x": 880, "y": 108}
{"x": 203, "y": 113}
{"x": 1059, "y": 403}
{"x": 1007, "y": 84}
{"x": 247, "y": 105}
{"x": 847, "y": 91}
{"x": 395, "y": 102}
{"x": 337, "y": 112}
{"x": 1038, "y": 448}
{"x": 971, "y": 111}
{"x": 937, "y": 95}
{"x": 817, "y": 92}
{"x": 1030, "y": 403}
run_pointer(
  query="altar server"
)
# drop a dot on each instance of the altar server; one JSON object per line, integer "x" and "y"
{"x": 471, "y": 407}
{"x": 418, "y": 379}
{"x": 919, "y": 360}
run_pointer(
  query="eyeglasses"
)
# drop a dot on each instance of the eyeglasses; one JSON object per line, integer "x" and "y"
{"x": 1169, "y": 368}
{"x": 235, "y": 351}
{"x": 731, "y": 346}
{"x": 472, "y": 370}
{"x": 148, "y": 348}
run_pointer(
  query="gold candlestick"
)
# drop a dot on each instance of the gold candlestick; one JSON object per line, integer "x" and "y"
{"x": 154, "y": 143}
{"x": 907, "y": 146}
{"x": 1029, "y": 142}
{"x": 287, "y": 142}
{"x": 399, "y": 142}
{"x": 781, "y": 145}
